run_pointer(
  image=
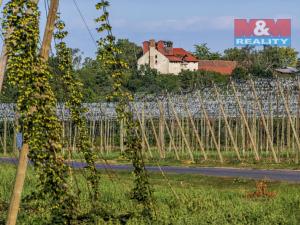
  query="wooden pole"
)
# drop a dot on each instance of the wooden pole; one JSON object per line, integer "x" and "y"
{"x": 46, "y": 45}
{"x": 19, "y": 183}
{"x": 70, "y": 134}
{"x": 195, "y": 131}
{"x": 210, "y": 128}
{"x": 172, "y": 140}
{"x": 101, "y": 135}
{"x": 245, "y": 121}
{"x": 143, "y": 130}
{"x": 254, "y": 128}
{"x": 263, "y": 120}
{"x": 106, "y": 135}
{"x": 5, "y": 136}
{"x": 156, "y": 138}
{"x": 286, "y": 105}
{"x": 182, "y": 132}
{"x": 282, "y": 142}
{"x": 219, "y": 128}
{"x": 22, "y": 167}
{"x": 226, "y": 122}
{"x": 142, "y": 124}
{"x": 161, "y": 128}
{"x": 122, "y": 135}
{"x": 15, "y": 124}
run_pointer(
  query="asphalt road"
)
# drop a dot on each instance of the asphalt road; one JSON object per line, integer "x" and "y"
{"x": 274, "y": 175}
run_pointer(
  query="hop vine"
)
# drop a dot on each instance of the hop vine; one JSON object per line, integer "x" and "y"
{"x": 74, "y": 96}
{"x": 109, "y": 56}
{"x": 36, "y": 106}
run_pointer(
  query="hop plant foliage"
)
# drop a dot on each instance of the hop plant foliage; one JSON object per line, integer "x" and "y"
{"x": 73, "y": 92}
{"x": 36, "y": 106}
{"x": 109, "y": 56}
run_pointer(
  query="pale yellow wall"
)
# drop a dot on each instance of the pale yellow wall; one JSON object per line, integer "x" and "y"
{"x": 154, "y": 56}
{"x": 177, "y": 67}
{"x": 158, "y": 61}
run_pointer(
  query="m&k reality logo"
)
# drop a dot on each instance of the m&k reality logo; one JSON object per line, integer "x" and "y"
{"x": 261, "y": 32}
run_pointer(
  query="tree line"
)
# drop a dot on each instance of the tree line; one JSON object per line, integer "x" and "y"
{"x": 144, "y": 80}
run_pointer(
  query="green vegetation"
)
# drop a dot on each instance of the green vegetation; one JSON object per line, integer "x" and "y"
{"x": 98, "y": 82}
{"x": 194, "y": 199}
{"x": 260, "y": 63}
{"x": 56, "y": 194}
{"x": 203, "y": 52}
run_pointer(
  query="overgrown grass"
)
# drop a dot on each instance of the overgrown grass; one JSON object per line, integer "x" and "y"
{"x": 193, "y": 199}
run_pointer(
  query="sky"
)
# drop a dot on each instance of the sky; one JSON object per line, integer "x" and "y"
{"x": 186, "y": 23}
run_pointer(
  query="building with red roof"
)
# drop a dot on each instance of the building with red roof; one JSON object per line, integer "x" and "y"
{"x": 163, "y": 57}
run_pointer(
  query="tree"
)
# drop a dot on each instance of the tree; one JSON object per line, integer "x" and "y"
{"x": 97, "y": 83}
{"x": 130, "y": 52}
{"x": 244, "y": 56}
{"x": 204, "y": 53}
{"x": 277, "y": 57}
{"x": 261, "y": 63}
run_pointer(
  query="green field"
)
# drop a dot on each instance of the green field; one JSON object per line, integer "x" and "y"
{"x": 182, "y": 199}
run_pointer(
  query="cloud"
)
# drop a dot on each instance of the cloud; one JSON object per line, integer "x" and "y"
{"x": 185, "y": 24}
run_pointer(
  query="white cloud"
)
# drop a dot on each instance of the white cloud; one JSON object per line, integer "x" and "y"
{"x": 186, "y": 24}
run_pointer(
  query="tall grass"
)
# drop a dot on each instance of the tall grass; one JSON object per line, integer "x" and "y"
{"x": 200, "y": 200}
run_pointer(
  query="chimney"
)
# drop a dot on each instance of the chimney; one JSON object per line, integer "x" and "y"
{"x": 169, "y": 47}
{"x": 161, "y": 46}
{"x": 152, "y": 53}
{"x": 152, "y": 43}
{"x": 146, "y": 46}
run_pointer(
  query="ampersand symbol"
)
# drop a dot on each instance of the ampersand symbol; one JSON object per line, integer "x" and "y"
{"x": 261, "y": 28}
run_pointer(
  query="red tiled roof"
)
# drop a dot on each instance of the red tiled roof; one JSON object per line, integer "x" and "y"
{"x": 188, "y": 56}
{"x": 173, "y": 58}
{"x": 219, "y": 66}
{"x": 173, "y": 54}
{"x": 179, "y": 55}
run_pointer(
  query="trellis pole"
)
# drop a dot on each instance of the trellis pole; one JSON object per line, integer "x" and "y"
{"x": 219, "y": 128}
{"x": 263, "y": 120}
{"x": 156, "y": 138}
{"x": 101, "y": 135}
{"x": 15, "y": 125}
{"x": 195, "y": 131}
{"x": 143, "y": 130}
{"x": 121, "y": 135}
{"x": 172, "y": 140}
{"x": 142, "y": 124}
{"x": 181, "y": 130}
{"x": 226, "y": 122}
{"x": 5, "y": 135}
{"x": 290, "y": 120}
{"x": 245, "y": 121}
{"x": 161, "y": 128}
{"x": 210, "y": 127}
